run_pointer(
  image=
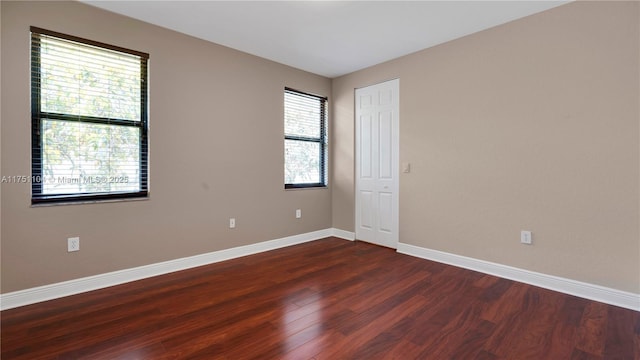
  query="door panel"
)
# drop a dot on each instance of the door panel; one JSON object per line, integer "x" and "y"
{"x": 385, "y": 96}
{"x": 365, "y": 146}
{"x": 386, "y": 200}
{"x": 385, "y": 149}
{"x": 377, "y": 169}
{"x": 366, "y": 218}
{"x": 366, "y": 100}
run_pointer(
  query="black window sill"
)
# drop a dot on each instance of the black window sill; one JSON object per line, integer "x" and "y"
{"x": 87, "y": 200}
{"x": 304, "y": 186}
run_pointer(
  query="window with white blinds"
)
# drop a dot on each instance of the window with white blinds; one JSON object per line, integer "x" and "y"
{"x": 89, "y": 119}
{"x": 305, "y": 140}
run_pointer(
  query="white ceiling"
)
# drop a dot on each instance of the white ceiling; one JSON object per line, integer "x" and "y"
{"x": 329, "y": 38}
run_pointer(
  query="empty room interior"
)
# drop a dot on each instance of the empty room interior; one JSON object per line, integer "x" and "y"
{"x": 320, "y": 180}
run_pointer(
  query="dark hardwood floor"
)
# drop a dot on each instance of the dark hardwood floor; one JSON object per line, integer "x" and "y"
{"x": 327, "y": 299}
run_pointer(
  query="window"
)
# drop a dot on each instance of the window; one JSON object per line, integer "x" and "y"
{"x": 88, "y": 120}
{"x": 305, "y": 140}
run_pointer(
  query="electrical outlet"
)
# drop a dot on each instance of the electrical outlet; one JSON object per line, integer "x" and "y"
{"x": 73, "y": 244}
{"x": 298, "y": 213}
{"x": 525, "y": 237}
{"x": 232, "y": 223}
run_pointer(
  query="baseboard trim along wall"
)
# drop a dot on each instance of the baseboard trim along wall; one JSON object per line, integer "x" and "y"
{"x": 76, "y": 286}
{"x": 347, "y": 235}
{"x": 572, "y": 287}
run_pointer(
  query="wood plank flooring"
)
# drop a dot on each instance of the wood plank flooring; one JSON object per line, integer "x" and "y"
{"x": 327, "y": 299}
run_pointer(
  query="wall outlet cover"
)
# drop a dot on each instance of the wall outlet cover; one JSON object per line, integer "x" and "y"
{"x": 73, "y": 244}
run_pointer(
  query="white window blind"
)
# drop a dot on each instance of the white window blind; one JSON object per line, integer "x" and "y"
{"x": 89, "y": 119}
{"x": 305, "y": 141}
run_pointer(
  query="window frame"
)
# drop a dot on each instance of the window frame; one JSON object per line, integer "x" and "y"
{"x": 322, "y": 140}
{"x": 37, "y": 117}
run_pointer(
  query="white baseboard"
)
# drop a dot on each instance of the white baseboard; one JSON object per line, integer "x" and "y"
{"x": 584, "y": 290}
{"x": 342, "y": 234}
{"x": 76, "y": 286}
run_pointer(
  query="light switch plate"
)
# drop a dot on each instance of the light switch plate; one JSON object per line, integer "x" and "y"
{"x": 525, "y": 237}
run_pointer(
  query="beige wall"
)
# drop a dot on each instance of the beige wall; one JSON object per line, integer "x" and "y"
{"x": 216, "y": 148}
{"x": 531, "y": 125}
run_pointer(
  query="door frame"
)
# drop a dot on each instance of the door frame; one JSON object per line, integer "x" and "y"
{"x": 395, "y": 163}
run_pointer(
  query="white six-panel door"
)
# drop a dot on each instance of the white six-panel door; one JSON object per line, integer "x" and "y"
{"x": 377, "y": 169}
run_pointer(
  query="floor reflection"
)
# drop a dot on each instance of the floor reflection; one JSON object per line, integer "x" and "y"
{"x": 302, "y": 318}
